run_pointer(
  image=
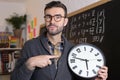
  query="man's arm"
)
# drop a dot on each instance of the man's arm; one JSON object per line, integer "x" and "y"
{"x": 21, "y": 72}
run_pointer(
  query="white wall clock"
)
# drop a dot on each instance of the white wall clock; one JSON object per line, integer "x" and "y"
{"x": 85, "y": 60}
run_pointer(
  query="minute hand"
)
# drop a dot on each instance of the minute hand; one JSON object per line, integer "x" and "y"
{"x": 86, "y": 61}
{"x": 80, "y": 58}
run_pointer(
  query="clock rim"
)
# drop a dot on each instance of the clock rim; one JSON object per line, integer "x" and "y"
{"x": 92, "y": 45}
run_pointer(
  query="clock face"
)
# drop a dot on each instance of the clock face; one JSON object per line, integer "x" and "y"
{"x": 85, "y": 60}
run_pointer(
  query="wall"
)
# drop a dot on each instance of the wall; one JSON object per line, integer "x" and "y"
{"x": 7, "y": 9}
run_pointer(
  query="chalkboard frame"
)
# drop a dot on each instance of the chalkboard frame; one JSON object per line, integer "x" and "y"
{"x": 88, "y": 7}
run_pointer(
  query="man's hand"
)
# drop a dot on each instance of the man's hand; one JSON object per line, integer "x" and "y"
{"x": 102, "y": 73}
{"x": 39, "y": 61}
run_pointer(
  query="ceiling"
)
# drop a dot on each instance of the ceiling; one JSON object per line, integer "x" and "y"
{"x": 12, "y": 0}
{"x": 20, "y": 0}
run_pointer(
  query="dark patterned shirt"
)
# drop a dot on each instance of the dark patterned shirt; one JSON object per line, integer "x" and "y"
{"x": 51, "y": 47}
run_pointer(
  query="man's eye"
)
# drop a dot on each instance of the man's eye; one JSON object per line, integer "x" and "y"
{"x": 58, "y": 16}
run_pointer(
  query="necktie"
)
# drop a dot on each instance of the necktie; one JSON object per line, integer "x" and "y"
{"x": 57, "y": 52}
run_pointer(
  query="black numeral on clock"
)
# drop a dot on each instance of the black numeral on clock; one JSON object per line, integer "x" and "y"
{"x": 96, "y": 54}
{"x": 99, "y": 60}
{"x": 91, "y": 50}
{"x": 78, "y": 50}
{"x": 74, "y": 55}
{"x": 80, "y": 71}
{"x": 84, "y": 48}
{"x": 74, "y": 67}
{"x": 72, "y": 60}
{"x": 94, "y": 71}
{"x": 98, "y": 66}
{"x": 87, "y": 73}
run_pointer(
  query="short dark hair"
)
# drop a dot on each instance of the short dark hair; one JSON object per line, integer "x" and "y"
{"x": 56, "y": 4}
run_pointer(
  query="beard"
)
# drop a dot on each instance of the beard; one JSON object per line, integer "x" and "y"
{"x": 59, "y": 30}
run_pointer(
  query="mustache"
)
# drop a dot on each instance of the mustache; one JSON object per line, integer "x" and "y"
{"x": 52, "y": 25}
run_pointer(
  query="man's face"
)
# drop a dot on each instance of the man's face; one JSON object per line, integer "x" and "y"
{"x": 55, "y": 20}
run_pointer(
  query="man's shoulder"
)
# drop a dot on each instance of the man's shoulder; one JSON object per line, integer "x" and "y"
{"x": 32, "y": 41}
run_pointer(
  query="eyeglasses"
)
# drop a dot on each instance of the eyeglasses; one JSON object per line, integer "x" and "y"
{"x": 57, "y": 18}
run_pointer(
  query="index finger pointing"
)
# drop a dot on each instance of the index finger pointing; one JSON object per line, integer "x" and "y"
{"x": 53, "y": 57}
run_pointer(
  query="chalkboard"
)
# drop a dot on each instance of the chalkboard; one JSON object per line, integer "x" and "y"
{"x": 87, "y": 26}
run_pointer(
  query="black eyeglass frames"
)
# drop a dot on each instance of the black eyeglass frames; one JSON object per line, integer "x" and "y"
{"x": 57, "y": 18}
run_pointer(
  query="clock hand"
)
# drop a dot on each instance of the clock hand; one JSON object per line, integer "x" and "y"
{"x": 79, "y": 58}
{"x": 86, "y": 61}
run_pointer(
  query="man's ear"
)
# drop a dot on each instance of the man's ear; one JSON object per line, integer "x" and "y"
{"x": 66, "y": 21}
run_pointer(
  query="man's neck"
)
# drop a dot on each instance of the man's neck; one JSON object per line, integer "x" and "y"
{"x": 54, "y": 39}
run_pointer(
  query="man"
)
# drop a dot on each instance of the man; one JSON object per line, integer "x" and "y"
{"x": 38, "y": 61}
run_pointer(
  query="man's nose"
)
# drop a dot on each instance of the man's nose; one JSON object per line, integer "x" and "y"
{"x": 52, "y": 19}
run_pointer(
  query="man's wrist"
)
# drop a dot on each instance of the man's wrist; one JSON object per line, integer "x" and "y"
{"x": 29, "y": 64}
